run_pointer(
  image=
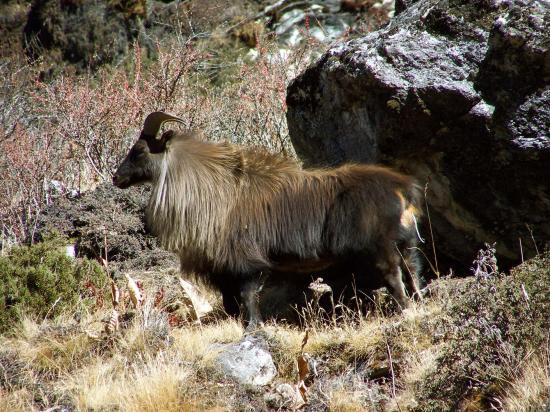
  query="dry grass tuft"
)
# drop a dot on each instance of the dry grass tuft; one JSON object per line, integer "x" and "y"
{"x": 152, "y": 384}
{"x": 145, "y": 366}
{"x": 344, "y": 401}
{"x": 530, "y": 386}
{"x": 20, "y": 400}
{"x": 193, "y": 344}
{"x": 419, "y": 366}
{"x": 50, "y": 348}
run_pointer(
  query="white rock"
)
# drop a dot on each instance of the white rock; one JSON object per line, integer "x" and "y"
{"x": 247, "y": 361}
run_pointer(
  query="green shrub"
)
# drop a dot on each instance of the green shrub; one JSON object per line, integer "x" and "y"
{"x": 493, "y": 322}
{"x": 42, "y": 281}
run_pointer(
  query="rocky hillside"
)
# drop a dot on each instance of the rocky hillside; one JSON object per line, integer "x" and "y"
{"x": 94, "y": 316}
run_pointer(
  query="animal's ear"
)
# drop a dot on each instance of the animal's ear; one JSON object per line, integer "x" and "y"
{"x": 166, "y": 138}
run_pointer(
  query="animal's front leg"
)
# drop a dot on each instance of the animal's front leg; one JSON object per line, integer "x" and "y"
{"x": 250, "y": 290}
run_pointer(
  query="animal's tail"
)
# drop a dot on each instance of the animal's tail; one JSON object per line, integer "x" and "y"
{"x": 413, "y": 209}
{"x": 411, "y": 265}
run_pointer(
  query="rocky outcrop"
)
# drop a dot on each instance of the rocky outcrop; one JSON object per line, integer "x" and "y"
{"x": 456, "y": 93}
{"x": 295, "y": 22}
{"x": 87, "y": 34}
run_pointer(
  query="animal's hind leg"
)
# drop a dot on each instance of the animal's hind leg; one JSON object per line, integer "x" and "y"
{"x": 411, "y": 267}
{"x": 388, "y": 262}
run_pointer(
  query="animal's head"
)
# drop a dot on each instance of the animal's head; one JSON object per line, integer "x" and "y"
{"x": 143, "y": 159}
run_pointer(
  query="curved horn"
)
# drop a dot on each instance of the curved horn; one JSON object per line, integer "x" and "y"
{"x": 153, "y": 123}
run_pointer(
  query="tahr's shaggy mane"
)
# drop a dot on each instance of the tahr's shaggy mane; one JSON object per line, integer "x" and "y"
{"x": 233, "y": 214}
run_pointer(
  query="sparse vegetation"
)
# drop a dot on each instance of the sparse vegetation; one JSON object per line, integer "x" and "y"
{"x": 494, "y": 325}
{"x": 458, "y": 349}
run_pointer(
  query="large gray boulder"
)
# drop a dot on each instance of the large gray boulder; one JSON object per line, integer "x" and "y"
{"x": 456, "y": 93}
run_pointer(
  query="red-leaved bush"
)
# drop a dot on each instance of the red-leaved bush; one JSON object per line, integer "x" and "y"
{"x": 69, "y": 134}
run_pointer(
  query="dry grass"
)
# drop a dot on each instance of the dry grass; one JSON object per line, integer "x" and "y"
{"x": 21, "y": 400}
{"x": 149, "y": 365}
{"x": 347, "y": 343}
{"x": 194, "y": 344}
{"x": 345, "y": 401}
{"x": 529, "y": 388}
{"x": 420, "y": 365}
{"x": 50, "y": 348}
{"x": 150, "y": 384}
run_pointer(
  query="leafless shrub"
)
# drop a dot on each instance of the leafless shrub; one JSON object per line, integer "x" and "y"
{"x": 68, "y": 135}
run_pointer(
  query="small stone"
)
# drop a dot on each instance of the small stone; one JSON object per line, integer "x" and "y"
{"x": 284, "y": 396}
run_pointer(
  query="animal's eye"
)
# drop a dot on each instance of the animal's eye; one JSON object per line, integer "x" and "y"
{"x": 136, "y": 154}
